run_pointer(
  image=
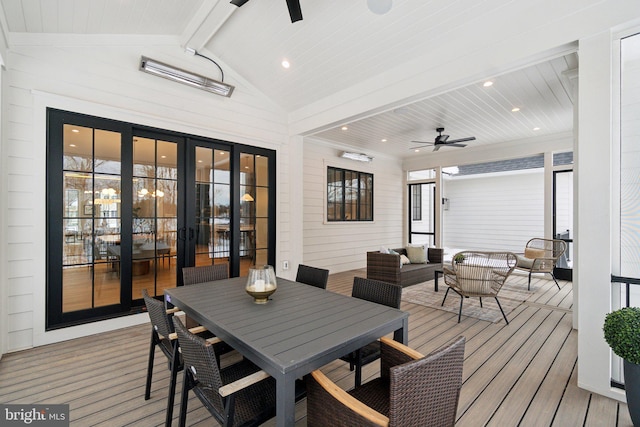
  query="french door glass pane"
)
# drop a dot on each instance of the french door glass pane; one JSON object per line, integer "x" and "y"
{"x": 213, "y": 198}
{"x": 91, "y": 217}
{"x": 155, "y": 210}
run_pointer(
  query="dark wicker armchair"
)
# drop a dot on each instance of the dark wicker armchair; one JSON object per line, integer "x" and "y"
{"x": 478, "y": 274}
{"x": 541, "y": 256}
{"x": 381, "y": 293}
{"x": 412, "y": 390}
{"x": 205, "y": 273}
{"x": 238, "y": 394}
{"x": 164, "y": 337}
{"x": 313, "y": 276}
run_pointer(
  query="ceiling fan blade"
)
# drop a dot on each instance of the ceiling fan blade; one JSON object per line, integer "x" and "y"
{"x": 423, "y": 142}
{"x": 441, "y": 139}
{"x": 456, "y": 145}
{"x": 453, "y": 141}
{"x": 437, "y": 147}
{"x": 295, "y": 12}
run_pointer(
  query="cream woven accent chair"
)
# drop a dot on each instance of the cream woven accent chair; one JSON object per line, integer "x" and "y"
{"x": 541, "y": 256}
{"x": 478, "y": 274}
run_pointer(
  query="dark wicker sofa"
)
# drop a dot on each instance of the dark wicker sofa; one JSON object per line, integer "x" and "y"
{"x": 386, "y": 267}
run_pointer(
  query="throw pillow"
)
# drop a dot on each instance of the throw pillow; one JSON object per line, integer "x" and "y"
{"x": 532, "y": 253}
{"x": 416, "y": 254}
{"x": 404, "y": 260}
{"x": 384, "y": 250}
{"x": 392, "y": 252}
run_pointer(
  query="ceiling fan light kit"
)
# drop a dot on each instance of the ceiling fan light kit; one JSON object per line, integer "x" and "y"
{"x": 170, "y": 72}
{"x": 360, "y": 157}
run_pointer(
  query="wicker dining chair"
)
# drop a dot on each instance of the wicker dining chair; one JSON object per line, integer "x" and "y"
{"x": 201, "y": 274}
{"x": 381, "y": 293}
{"x": 238, "y": 394}
{"x": 412, "y": 390}
{"x": 478, "y": 274}
{"x": 204, "y": 273}
{"x": 313, "y": 276}
{"x": 541, "y": 256}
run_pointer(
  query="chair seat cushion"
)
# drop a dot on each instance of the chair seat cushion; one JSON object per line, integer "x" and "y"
{"x": 524, "y": 262}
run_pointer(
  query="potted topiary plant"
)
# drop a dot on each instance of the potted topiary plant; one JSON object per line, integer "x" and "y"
{"x": 458, "y": 258}
{"x": 622, "y": 333}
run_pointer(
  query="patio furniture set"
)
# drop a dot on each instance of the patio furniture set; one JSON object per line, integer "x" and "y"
{"x": 301, "y": 329}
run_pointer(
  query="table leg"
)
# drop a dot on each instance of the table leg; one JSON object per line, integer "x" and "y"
{"x": 285, "y": 401}
{"x": 436, "y": 273}
{"x": 402, "y": 334}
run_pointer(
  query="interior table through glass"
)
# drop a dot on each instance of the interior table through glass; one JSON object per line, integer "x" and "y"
{"x": 300, "y": 329}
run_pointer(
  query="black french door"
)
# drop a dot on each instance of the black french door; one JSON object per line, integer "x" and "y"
{"x": 129, "y": 206}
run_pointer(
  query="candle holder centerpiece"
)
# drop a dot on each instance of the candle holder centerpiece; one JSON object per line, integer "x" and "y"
{"x": 261, "y": 283}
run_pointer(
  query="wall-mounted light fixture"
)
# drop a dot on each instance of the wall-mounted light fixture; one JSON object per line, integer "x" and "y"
{"x": 356, "y": 156}
{"x": 170, "y": 72}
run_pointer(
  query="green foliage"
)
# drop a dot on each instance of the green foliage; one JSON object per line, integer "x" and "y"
{"x": 622, "y": 333}
{"x": 458, "y": 258}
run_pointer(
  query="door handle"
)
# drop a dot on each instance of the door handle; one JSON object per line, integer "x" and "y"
{"x": 191, "y": 233}
{"x": 182, "y": 234}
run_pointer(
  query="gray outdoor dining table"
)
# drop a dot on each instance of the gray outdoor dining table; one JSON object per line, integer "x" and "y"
{"x": 300, "y": 329}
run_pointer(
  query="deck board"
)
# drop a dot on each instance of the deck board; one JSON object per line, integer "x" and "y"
{"x": 521, "y": 374}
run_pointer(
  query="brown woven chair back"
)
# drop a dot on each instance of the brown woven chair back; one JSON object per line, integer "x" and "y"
{"x": 313, "y": 276}
{"x": 425, "y": 392}
{"x": 200, "y": 359}
{"x": 377, "y": 291}
{"x": 205, "y": 273}
{"x": 158, "y": 315}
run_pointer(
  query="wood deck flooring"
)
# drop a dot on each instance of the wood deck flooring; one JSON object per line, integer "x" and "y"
{"x": 521, "y": 374}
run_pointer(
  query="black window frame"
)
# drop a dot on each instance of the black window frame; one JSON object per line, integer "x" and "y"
{"x": 416, "y": 202}
{"x": 337, "y": 188}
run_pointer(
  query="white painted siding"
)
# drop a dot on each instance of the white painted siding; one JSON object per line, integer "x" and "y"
{"x": 494, "y": 212}
{"x": 104, "y": 80}
{"x": 343, "y": 246}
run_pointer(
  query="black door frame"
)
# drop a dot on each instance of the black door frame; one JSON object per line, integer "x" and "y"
{"x": 56, "y": 119}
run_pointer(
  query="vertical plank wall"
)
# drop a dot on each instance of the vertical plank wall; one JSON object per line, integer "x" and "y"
{"x": 100, "y": 77}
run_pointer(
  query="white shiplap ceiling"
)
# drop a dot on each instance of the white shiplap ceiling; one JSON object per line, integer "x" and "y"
{"x": 337, "y": 45}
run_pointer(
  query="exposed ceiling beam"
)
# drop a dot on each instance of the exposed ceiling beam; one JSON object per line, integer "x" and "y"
{"x": 206, "y": 23}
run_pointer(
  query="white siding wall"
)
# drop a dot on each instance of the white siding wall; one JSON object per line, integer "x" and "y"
{"x": 494, "y": 212}
{"x": 343, "y": 246}
{"x": 103, "y": 80}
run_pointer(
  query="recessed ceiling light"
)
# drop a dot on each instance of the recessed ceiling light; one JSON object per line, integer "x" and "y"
{"x": 488, "y": 83}
{"x": 536, "y": 128}
{"x": 163, "y": 157}
{"x": 344, "y": 128}
{"x": 72, "y": 145}
{"x": 285, "y": 63}
{"x": 384, "y": 140}
{"x": 75, "y": 130}
{"x": 199, "y": 161}
{"x": 417, "y": 150}
{"x": 515, "y": 109}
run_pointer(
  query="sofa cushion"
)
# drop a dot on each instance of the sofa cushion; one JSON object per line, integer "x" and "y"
{"x": 404, "y": 260}
{"x": 416, "y": 254}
